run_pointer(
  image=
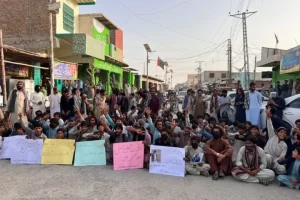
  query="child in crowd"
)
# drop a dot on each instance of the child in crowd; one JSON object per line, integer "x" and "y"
{"x": 59, "y": 119}
{"x": 60, "y": 133}
{"x": 292, "y": 179}
{"x": 37, "y": 133}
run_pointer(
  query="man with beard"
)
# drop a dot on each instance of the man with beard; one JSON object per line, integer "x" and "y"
{"x": 193, "y": 155}
{"x": 218, "y": 154}
{"x": 17, "y": 103}
{"x": 37, "y": 99}
{"x": 54, "y": 99}
{"x": 251, "y": 164}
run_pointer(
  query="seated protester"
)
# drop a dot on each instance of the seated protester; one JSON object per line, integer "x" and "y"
{"x": 248, "y": 125}
{"x": 133, "y": 112}
{"x": 169, "y": 120}
{"x": 165, "y": 139}
{"x": 154, "y": 129}
{"x": 139, "y": 133}
{"x": 181, "y": 120}
{"x": 238, "y": 139}
{"x": 222, "y": 123}
{"x": 275, "y": 148}
{"x": 70, "y": 125}
{"x": 292, "y": 179}
{"x": 206, "y": 116}
{"x": 251, "y": 164}
{"x": 192, "y": 154}
{"x": 185, "y": 136}
{"x": 50, "y": 130}
{"x": 116, "y": 136}
{"x": 234, "y": 127}
{"x": 59, "y": 119}
{"x": 296, "y": 139}
{"x": 101, "y": 131}
{"x": 260, "y": 140}
{"x": 60, "y": 134}
{"x": 92, "y": 125}
{"x": 118, "y": 121}
{"x": 3, "y": 131}
{"x": 37, "y": 133}
{"x": 17, "y": 125}
{"x": 84, "y": 135}
{"x": 218, "y": 154}
{"x": 212, "y": 122}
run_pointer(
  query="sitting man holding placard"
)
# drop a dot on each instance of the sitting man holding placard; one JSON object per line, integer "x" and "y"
{"x": 194, "y": 157}
{"x": 37, "y": 133}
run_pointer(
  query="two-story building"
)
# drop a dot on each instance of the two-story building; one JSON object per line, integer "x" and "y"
{"x": 89, "y": 40}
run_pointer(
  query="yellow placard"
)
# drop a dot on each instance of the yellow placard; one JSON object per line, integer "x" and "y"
{"x": 58, "y": 151}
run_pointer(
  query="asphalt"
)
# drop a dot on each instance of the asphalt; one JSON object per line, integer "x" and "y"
{"x": 38, "y": 182}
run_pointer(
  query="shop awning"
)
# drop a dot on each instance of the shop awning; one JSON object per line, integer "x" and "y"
{"x": 116, "y": 62}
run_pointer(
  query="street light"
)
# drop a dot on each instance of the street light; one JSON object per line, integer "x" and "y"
{"x": 147, "y": 47}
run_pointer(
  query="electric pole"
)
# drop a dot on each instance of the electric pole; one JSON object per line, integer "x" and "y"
{"x": 229, "y": 63}
{"x": 244, "y": 16}
{"x": 199, "y": 70}
{"x": 254, "y": 69}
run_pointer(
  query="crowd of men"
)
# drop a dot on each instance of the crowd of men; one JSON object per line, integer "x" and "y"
{"x": 232, "y": 144}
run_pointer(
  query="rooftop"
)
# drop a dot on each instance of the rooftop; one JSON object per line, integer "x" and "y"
{"x": 103, "y": 19}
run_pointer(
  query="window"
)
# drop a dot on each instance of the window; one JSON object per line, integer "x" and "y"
{"x": 294, "y": 104}
{"x": 223, "y": 75}
{"x": 68, "y": 15}
{"x": 211, "y": 75}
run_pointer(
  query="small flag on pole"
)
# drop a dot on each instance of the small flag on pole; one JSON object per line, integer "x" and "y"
{"x": 160, "y": 63}
{"x": 277, "y": 41}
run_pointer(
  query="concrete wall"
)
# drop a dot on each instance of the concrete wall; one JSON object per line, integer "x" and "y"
{"x": 59, "y": 17}
{"x": 25, "y": 24}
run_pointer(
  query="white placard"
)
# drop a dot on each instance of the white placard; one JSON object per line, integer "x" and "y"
{"x": 28, "y": 152}
{"x": 167, "y": 161}
{"x": 10, "y": 145}
{"x": 1, "y": 101}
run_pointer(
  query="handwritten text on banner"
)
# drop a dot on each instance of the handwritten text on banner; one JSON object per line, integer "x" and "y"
{"x": 28, "y": 152}
{"x": 167, "y": 161}
{"x": 58, "y": 151}
{"x": 128, "y": 155}
{"x": 9, "y": 146}
{"x": 90, "y": 153}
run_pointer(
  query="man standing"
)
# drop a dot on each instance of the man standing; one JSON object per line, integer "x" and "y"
{"x": 37, "y": 99}
{"x": 54, "y": 99}
{"x": 253, "y": 101}
{"x": 214, "y": 104}
{"x": 67, "y": 106}
{"x": 285, "y": 89}
{"x": 278, "y": 87}
{"x": 17, "y": 103}
{"x": 187, "y": 100}
{"x": 297, "y": 86}
{"x": 154, "y": 102}
{"x": 224, "y": 105}
{"x": 277, "y": 102}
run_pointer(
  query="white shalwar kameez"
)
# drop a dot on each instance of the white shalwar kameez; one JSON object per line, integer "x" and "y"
{"x": 35, "y": 98}
{"x": 54, "y": 103}
{"x": 253, "y": 113}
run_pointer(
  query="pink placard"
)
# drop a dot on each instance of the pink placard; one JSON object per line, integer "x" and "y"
{"x": 128, "y": 155}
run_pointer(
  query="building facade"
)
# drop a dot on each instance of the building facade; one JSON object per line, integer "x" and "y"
{"x": 192, "y": 80}
{"x": 213, "y": 77}
{"x": 90, "y": 40}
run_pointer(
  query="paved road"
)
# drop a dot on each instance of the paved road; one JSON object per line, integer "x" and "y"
{"x": 68, "y": 182}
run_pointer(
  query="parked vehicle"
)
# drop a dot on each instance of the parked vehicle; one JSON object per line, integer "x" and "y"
{"x": 181, "y": 95}
{"x": 290, "y": 114}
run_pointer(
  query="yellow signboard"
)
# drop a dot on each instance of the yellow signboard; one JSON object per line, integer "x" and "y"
{"x": 58, "y": 151}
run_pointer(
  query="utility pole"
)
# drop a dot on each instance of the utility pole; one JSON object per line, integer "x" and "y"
{"x": 2, "y": 64}
{"x": 229, "y": 63}
{"x": 254, "y": 69}
{"x": 171, "y": 71}
{"x": 51, "y": 55}
{"x": 244, "y": 16}
{"x": 199, "y": 70}
{"x": 148, "y": 49}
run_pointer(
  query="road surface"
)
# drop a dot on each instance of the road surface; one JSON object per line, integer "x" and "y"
{"x": 41, "y": 182}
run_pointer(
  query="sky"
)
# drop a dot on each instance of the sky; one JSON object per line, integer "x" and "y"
{"x": 183, "y": 32}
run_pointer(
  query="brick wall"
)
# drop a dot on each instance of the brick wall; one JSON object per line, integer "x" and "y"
{"x": 25, "y": 23}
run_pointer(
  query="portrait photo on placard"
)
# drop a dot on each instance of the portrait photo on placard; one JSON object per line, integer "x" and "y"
{"x": 156, "y": 155}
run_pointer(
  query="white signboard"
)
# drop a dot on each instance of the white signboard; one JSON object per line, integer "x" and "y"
{"x": 167, "y": 161}
{"x": 28, "y": 152}
{"x": 10, "y": 145}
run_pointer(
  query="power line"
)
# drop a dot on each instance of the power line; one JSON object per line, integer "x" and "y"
{"x": 174, "y": 6}
{"x": 169, "y": 29}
